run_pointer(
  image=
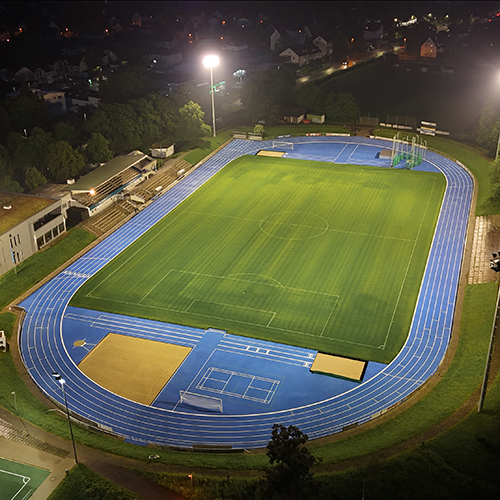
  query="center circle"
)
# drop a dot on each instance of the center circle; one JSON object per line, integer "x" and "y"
{"x": 294, "y": 225}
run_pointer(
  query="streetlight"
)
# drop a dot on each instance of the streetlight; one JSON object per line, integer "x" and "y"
{"x": 62, "y": 382}
{"x": 15, "y": 399}
{"x": 210, "y": 62}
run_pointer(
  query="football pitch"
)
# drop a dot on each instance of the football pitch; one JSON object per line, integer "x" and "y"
{"x": 324, "y": 256}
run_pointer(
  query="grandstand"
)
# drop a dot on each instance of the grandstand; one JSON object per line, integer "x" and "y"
{"x": 106, "y": 183}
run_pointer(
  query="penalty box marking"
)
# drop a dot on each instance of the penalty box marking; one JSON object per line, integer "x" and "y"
{"x": 239, "y": 385}
{"x": 236, "y": 311}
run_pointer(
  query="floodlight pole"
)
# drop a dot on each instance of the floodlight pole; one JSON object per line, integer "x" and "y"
{"x": 213, "y": 96}
{"x": 498, "y": 147}
{"x": 63, "y": 382}
{"x": 211, "y": 61}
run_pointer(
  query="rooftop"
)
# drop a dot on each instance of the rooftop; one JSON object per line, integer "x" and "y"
{"x": 22, "y": 207}
{"x": 101, "y": 174}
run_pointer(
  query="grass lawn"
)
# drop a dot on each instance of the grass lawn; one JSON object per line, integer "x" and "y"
{"x": 453, "y": 101}
{"x": 29, "y": 272}
{"x": 81, "y": 483}
{"x": 300, "y": 252}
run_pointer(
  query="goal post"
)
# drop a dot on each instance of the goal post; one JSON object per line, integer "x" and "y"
{"x": 201, "y": 401}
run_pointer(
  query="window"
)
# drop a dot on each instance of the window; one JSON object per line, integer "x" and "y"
{"x": 48, "y": 236}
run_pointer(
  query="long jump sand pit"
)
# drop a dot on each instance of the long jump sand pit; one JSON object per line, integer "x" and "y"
{"x": 337, "y": 366}
{"x": 272, "y": 154}
{"x": 131, "y": 367}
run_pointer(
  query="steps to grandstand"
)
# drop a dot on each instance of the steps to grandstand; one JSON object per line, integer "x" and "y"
{"x": 119, "y": 211}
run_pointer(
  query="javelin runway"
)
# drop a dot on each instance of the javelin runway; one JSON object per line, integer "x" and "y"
{"x": 50, "y": 328}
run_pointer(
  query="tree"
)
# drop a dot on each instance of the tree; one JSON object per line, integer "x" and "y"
{"x": 259, "y": 129}
{"x": 27, "y": 110}
{"x": 265, "y": 92}
{"x": 7, "y": 183}
{"x": 34, "y": 178}
{"x": 4, "y": 122}
{"x": 289, "y": 476}
{"x": 311, "y": 97}
{"x": 488, "y": 130}
{"x": 341, "y": 108}
{"x": 97, "y": 149}
{"x": 119, "y": 124}
{"x": 64, "y": 132}
{"x": 191, "y": 121}
{"x": 63, "y": 162}
{"x": 130, "y": 82}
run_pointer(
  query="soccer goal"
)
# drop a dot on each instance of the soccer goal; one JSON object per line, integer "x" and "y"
{"x": 282, "y": 144}
{"x": 201, "y": 401}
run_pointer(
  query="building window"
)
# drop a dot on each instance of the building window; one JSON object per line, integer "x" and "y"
{"x": 61, "y": 227}
{"x": 48, "y": 236}
{"x": 39, "y": 242}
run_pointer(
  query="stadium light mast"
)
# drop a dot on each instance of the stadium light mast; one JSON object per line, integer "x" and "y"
{"x": 59, "y": 379}
{"x": 210, "y": 62}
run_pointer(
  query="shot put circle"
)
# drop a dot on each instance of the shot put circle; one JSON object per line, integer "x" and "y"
{"x": 294, "y": 225}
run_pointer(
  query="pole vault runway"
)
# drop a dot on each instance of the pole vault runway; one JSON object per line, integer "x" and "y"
{"x": 50, "y": 328}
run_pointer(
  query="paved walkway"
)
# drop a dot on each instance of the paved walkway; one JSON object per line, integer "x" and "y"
{"x": 486, "y": 241}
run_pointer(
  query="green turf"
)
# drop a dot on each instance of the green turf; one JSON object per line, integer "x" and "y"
{"x": 312, "y": 254}
{"x": 19, "y": 480}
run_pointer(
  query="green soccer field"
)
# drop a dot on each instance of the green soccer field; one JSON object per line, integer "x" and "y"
{"x": 19, "y": 481}
{"x": 313, "y": 254}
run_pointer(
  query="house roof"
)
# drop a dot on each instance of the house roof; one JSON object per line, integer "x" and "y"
{"x": 305, "y": 49}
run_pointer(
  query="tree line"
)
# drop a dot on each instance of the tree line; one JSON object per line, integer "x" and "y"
{"x": 266, "y": 93}
{"x": 36, "y": 148}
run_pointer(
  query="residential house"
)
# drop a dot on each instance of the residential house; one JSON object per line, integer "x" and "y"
{"x": 428, "y": 48}
{"x": 77, "y": 98}
{"x": 45, "y": 75}
{"x": 24, "y": 75}
{"x": 55, "y": 100}
{"x": 302, "y": 55}
{"x": 326, "y": 47}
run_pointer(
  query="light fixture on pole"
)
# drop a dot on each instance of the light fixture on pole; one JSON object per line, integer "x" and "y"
{"x": 63, "y": 382}
{"x": 210, "y": 62}
{"x": 15, "y": 399}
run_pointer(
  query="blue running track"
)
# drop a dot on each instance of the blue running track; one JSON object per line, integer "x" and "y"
{"x": 254, "y": 398}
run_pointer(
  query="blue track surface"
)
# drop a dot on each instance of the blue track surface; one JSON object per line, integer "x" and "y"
{"x": 259, "y": 383}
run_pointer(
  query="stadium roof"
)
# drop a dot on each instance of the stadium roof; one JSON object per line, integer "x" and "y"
{"x": 105, "y": 172}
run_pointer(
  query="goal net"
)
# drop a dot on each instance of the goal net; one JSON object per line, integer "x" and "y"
{"x": 201, "y": 401}
{"x": 282, "y": 144}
